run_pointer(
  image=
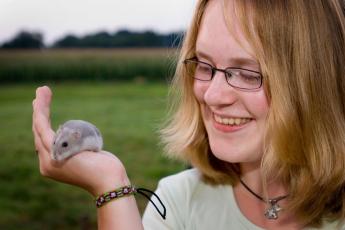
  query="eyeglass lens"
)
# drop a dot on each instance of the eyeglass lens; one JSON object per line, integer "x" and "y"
{"x": 236, "y": 77}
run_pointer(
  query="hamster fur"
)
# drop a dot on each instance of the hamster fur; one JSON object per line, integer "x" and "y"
{"x": 75, "y": 136}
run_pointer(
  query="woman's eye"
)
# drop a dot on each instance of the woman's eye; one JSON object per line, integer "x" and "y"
{"x": 250, "y": 78}
{"x": 203, "y": 68}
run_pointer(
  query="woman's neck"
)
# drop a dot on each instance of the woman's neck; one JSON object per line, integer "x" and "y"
{"x": 251, "y": 175}
{"x": 254, "y": 208}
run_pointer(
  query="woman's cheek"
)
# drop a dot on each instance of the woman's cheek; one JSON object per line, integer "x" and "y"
{"x": 199, "y": 91}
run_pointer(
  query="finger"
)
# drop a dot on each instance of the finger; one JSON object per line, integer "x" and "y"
{"x": 43, "y": 131}
{"x": 44, "y": 158}
{"x": 41, "y": 119}
{"x": 35, "y": 122}
{"x": 43, "y": 98}
{"x": 33, "y": 115}
{"x": 39, "y": 147}
{"x": 42, "y": 151}
{"x": 37, "y": 139}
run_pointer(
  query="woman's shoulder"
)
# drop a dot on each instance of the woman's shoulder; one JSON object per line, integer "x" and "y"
{"x": 188, "y": 189}
{"x": 189, "y": 182}
{"x": 190, "y": 177}
{"x": 186, "y": 183}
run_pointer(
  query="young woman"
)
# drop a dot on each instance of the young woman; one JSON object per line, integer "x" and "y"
{"x": 258, "y": 110}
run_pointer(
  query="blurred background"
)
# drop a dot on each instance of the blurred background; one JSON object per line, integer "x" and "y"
{"x": 108, "y": 62}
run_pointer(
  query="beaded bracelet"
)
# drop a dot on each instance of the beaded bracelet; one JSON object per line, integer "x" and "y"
{"x": 127, "y": 191}
{"x": 108, "y": 196}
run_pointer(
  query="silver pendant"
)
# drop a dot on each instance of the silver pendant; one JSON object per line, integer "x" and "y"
{"x": 272, "y": 212}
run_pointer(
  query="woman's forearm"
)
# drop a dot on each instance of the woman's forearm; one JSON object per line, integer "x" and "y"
{"x": 121, "y": 214}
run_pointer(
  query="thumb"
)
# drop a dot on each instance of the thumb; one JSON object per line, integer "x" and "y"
{"x": 43, "y": 98}
{"x": 42, "y": 115}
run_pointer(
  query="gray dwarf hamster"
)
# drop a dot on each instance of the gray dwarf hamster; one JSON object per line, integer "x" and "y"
{"x": 75, "y": 136}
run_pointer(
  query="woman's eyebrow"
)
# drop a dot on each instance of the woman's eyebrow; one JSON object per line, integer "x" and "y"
{"x": 236, "y": 61}
{"x": 244, "y": 62}
{"x": 201, "y": 54}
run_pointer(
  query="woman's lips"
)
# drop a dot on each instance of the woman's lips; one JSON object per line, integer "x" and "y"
{"x": 230, "y": 124}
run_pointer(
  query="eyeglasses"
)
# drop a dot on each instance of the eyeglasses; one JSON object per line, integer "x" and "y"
{"x": 236, "y": 77}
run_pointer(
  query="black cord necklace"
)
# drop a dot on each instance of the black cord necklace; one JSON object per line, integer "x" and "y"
{"x": 272, "y": 211}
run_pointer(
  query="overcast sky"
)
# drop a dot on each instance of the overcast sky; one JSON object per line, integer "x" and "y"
{"x": 56, "y": 18}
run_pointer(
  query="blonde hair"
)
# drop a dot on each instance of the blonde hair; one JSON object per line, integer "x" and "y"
{"x": 300, "y": 46}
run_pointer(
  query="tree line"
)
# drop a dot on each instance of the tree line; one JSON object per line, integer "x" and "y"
{"x": 119, "y": 39}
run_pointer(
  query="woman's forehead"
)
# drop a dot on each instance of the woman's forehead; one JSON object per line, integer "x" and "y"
{"x": 219, "y": 39}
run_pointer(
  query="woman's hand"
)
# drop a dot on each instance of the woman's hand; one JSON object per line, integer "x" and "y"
{"x": 95, "y": 172}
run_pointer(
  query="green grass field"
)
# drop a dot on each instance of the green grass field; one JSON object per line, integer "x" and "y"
{"x": 128, "y": 115}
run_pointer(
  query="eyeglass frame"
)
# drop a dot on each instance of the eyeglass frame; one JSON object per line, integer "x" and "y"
{"x": 214, "y": 70}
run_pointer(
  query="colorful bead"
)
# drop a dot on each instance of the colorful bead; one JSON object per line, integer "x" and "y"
{"x": 121, "y": 192}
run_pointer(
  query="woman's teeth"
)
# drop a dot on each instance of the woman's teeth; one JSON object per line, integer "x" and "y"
{"x": 231, "y": 121}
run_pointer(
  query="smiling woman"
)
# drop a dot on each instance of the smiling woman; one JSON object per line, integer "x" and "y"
{"x": 257, "y": 110}
{"x": 275, "y": 147}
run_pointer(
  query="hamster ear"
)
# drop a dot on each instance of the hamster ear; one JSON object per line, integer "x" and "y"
{"x": 76, "y": 135}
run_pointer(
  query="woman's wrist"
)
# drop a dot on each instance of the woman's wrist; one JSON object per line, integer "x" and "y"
{"x": 109, "y": 183}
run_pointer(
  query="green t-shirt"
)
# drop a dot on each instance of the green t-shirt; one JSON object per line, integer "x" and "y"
{"x": 192, "y": 204}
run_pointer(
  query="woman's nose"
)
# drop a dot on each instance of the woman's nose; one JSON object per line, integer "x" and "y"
{"x": 219, "y": 92}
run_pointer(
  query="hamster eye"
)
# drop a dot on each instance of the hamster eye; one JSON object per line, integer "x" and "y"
{"x": 64, "y": 144}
